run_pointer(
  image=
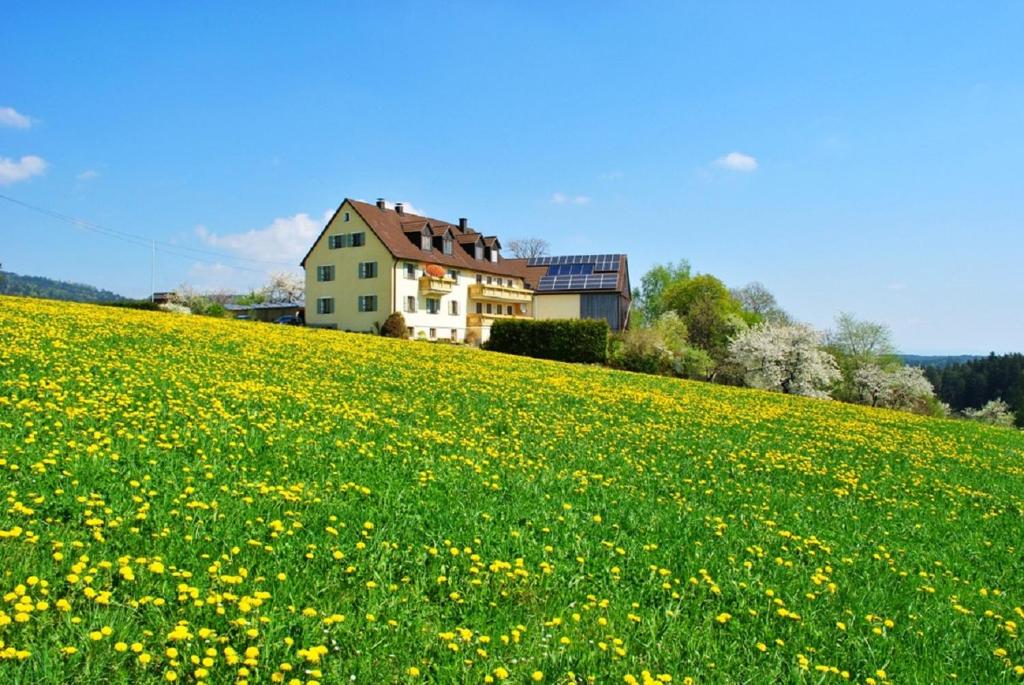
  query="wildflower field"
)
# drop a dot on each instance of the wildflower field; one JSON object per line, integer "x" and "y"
{"x": 196, "y": 500}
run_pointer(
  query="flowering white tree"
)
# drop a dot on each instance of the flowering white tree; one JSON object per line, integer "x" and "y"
{"x": 904, "y": 387}
{"x": 284, "y": 287}
{"x": 785, "y": 358}
{"x": 995, "y": 412}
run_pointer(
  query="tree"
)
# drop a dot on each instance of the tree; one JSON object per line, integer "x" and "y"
{"x": 527, "y": 248}
{"x": 904, "y": 387}
{"x": 856, "y": 344}
{"x": 284, "y": 286}
{"x": 861, "y": 340}
{"x": 648, "y": 298}
{"x": 394, "y": 326}
{"x": 757, "y": 299}
{"x": 995, "y": 412}
{"x": 785, "y": 358}
{"x": 660, "y": 349}
{"x": 710, "y": 313}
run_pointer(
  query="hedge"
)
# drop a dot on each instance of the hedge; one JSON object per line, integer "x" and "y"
{"x": 583, "y": 341}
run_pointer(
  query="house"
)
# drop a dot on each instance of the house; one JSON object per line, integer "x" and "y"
{"x": 449, "y": 280}
{"x": 579, "y": 287}
{"x": 266, "y": 311}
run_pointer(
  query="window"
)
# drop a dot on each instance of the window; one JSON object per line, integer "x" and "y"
{"x": 410, "y": 304}
{"x": 447, "y": 244}
{"x": 367, "y": 269}
{"x": 509, "y": 283}
{"x": 490, "y": 310}
{"x": 325, "y": 273}
{"x": 479, "y": 308}
{"x": 346, "y": 240}
{"x": 494, "y": 254}
{"x": 508, "y": 310}
{"x": 478, "y": 252}
{"x": 425, "y": 242}
{"x": 455, "y": 335}
{"x": 433, "y": 305}
{"x": 411, "y": 331}
{"x": 433, "y": 333}
{"x": 345, "y": 217}
{"x": 410, "y": 271}
{"x": 453, "y": 274}
{"x": 479, "y": 278}
{"x": 325, "y": 305}
{"x": 490, "y": 281}
{"x": 367, "y": 303}
{"x": 453, "y": 307}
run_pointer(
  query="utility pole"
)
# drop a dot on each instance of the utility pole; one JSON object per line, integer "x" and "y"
{"x": 152, "y": 273}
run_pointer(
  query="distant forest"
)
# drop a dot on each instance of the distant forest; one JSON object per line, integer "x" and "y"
{"x": 925, "y": 360}
{"x": 37, "y": 286}
{"x": 975, "y": 382}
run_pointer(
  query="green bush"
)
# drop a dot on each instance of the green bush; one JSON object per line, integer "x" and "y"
{"x": 147, "y": 305}
{"x": 394, "y": 326}
{"x": 582, "y": 341}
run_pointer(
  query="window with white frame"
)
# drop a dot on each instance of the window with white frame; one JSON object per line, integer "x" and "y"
{"x": 479, "y": 308}
{"x": 455, "y": 335}
{"x": 345, "y": 217}
{"x": 479, "y": 278}
{"x": 453, "y": 274}
{"x": 410, "y": 304}
{"x": 367, "y": 269}
{"x": 325, "y": 305}
{"x": 453, "y": 307}
{"x": 325, "y": 273}
{"x": 433, "y": 333}
{"x": 335, "y": 241}
{"x": 410, "y": 271}
{"x": 367, "y": 303}
{"x": 433, "y": 305}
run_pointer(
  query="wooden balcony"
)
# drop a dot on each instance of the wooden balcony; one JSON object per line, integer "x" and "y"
{"x": 473, "y": 319}
{"x": 499, "y": 293}
{"x": 436, "y": 285}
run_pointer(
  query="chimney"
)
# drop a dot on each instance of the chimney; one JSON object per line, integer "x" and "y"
{"x": 463, "y": 223}
{"x": 380, "y": 203}
{"x": 400, "y": 208}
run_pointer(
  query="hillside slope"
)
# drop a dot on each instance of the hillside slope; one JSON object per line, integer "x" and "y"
{"x": 201, "y": 500}
{"x": 40, "y": 286}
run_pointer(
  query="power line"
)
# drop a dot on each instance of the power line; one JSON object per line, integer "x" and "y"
{"x": 142, "y": 241}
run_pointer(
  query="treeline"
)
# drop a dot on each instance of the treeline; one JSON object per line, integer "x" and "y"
{"x": 976, "y": 383}
{"x": 48, "y": 288}
{"x": 693, "y": 326}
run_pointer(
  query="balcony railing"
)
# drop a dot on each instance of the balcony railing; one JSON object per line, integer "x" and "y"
{"x": 501, "y": 293}
{"x": 439, "y": 285}
{"x": 474, "y": 319}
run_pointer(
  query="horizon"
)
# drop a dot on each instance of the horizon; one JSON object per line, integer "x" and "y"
{"x": 858, "y": 159}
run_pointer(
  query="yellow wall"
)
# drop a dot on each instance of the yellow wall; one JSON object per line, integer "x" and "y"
{"x": 564, "y": 306}
{"x": 347, "y": 286}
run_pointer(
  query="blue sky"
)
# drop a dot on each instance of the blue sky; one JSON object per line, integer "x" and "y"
{"x": 862, "y": 157}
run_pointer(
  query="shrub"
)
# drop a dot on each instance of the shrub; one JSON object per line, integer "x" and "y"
{"x": 995, "y": 412}
{"x": 582, "y": 341}
{"x": 394, "y": 326}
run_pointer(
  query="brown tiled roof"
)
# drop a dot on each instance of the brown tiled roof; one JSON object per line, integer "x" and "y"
{"x": 391, "y": 228}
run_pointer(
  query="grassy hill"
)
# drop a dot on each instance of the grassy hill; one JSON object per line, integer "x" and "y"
{"x": 201, "y": 500}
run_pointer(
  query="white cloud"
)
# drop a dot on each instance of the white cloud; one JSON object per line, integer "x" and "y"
{"x": 13, "y": 118}
{"x": 563, "y": 199}
{"x": 87, "y": 175}
{"x": 736, "y": 161}
{"x": 12, "y": 171}
{"x": 284, "y": 242}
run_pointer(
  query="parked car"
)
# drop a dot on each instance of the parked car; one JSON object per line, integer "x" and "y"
{"x": 289, "y": 320}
